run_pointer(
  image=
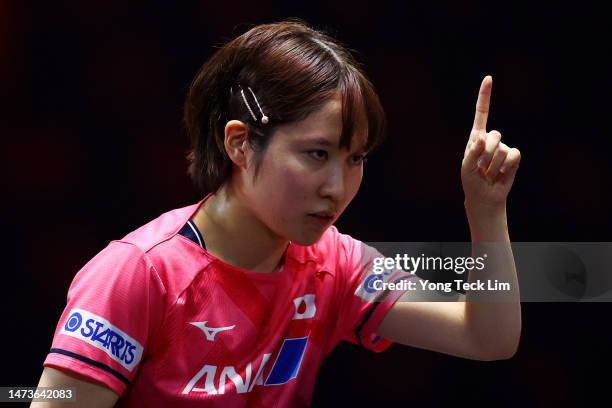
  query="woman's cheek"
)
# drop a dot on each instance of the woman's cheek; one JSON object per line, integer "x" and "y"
{"x": 354, "y": 181}
{"x": 296, "y": 176}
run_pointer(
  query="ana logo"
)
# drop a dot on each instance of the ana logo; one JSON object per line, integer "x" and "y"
{"x": 101, "y": 334}
{"x": 305, "y": 307}
{"x": 213, "y": 379}
{"x": 210, "y": 332}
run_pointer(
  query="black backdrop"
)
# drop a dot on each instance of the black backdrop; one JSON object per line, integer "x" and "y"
{"x": 92, "y": 148}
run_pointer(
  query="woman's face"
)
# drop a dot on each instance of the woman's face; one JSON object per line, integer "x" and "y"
{"x": 305, "y": 180}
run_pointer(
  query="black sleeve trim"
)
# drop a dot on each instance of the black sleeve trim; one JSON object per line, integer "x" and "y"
{"x": 368, "y": 314}
{"x": 91, "y": 362}
{"x": 365, "y": 319}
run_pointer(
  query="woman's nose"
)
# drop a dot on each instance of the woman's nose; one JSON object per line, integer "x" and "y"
{"x": 334, "y": 184}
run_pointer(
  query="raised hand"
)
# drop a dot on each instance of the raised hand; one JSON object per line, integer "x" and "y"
{"x": 489, "y": 166}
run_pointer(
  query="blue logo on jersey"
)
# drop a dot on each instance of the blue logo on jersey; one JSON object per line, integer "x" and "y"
{"x": 288, "y": 362}
{"x": 368, "y": 283}
{"x": 73, "y": 322}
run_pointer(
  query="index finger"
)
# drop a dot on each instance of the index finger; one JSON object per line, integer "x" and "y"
{"x": 482, "y": 104}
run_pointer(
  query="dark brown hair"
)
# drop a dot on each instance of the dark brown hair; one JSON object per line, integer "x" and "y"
{"x": 293, "y": 70}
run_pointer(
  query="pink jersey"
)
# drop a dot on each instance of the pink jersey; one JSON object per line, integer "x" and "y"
{"x": 162, "y": 322}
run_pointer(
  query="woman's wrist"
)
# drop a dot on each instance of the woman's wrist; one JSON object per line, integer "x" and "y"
{"x": 487, "y": 222}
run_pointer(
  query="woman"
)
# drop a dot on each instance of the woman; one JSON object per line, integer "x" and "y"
{"x": 236, "y": 300}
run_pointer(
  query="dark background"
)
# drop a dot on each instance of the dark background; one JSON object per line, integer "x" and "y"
{"x": 92, "y": 147}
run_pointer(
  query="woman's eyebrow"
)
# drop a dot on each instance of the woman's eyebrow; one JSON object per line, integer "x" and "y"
{"x": 319, "y": 141}
{"x": 322, "y": 141}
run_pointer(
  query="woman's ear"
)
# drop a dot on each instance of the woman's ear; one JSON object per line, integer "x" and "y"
{"x": 236, "y": 142}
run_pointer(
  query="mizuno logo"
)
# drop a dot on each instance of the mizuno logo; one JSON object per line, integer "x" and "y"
{"x": 210, "y": 332}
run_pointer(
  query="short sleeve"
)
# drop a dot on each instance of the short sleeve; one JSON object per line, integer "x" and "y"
{"x": 363, "y": 307}
{"x": 114, "y": 306}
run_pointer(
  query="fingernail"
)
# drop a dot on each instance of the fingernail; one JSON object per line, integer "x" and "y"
{"x": 481, "y": 162}
{"x": 502, "y": 169}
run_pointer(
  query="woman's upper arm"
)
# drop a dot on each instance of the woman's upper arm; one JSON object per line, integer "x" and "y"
{"x": 87, "y": 394}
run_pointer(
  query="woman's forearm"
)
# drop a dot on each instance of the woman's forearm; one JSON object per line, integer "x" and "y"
{"x": 493, "y": 314}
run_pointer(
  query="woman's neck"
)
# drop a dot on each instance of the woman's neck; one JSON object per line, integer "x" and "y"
{"x": 233, "y": 234}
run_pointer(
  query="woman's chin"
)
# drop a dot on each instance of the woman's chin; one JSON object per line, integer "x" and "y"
{"x": 307, "y": 239}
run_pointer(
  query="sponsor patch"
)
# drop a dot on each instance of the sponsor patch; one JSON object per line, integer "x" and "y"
{"x": 100, "y": 333}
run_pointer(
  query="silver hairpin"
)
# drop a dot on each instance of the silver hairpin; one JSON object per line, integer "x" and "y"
{"x": 264, "y": 118}
{"x": 247, "y": 104}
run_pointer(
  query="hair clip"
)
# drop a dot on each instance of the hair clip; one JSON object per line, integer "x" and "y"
{"x": 264, "y": 118}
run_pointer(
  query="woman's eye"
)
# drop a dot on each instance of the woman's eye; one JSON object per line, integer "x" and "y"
{"x": 359, "y": 159}
{"x": 318, "y": 154}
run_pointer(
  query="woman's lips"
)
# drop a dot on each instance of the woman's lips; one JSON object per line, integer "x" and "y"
{"x": 320, "y": 220}
{"x": 330, "y": 214}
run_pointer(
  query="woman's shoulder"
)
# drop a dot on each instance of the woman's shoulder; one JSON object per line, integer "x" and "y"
{"x": 160, "y": 229}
